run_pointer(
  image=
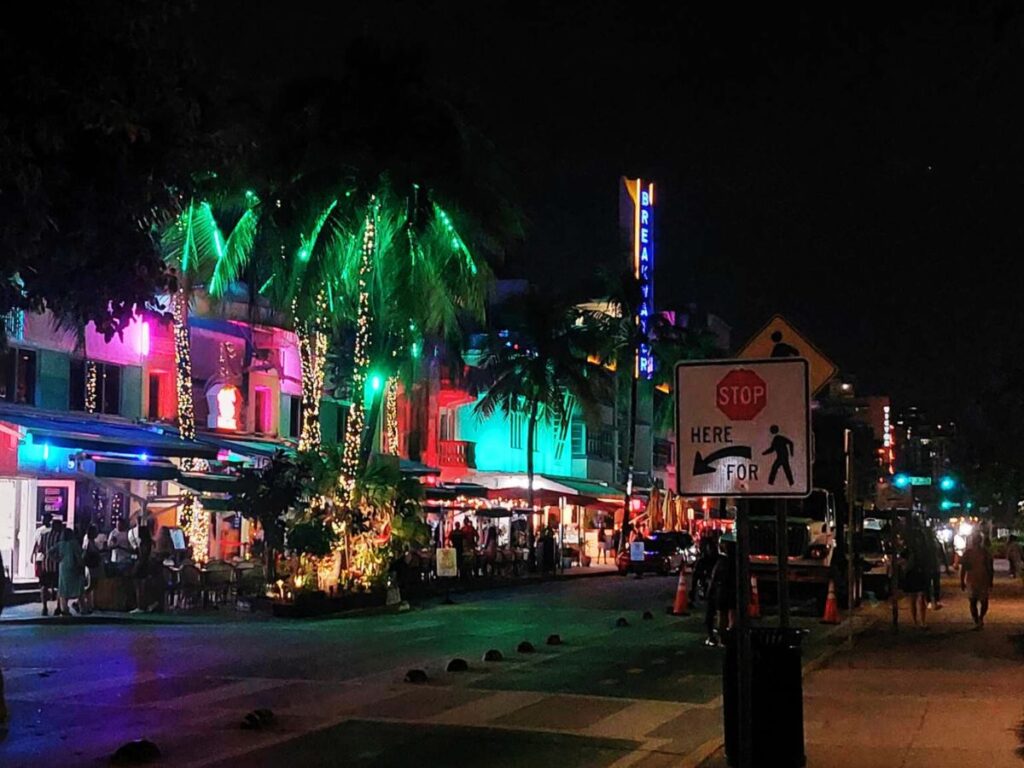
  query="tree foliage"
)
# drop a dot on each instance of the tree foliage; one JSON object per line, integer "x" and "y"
{"x": 100, "y": 132}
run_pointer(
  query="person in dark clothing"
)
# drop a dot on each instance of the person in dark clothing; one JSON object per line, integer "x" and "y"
{"x": 723, "y": 592}
{"x": 940, "y": 564}
{"x": 455, "y": 539}
{"x": 700, "y": 588}
{"x": 616, "y": 540}
{"x": 703, "y": 582}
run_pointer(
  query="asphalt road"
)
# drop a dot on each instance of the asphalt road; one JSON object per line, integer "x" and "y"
{"x": 641, "y": 695}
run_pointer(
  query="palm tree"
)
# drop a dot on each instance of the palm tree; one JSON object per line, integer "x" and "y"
{"x": 622, "y": 338}
{"x": 416, "y": 279}
{"x": 195, "y": 246}
{"x": 397, "y": 158}
{"x": 546, "y": 362}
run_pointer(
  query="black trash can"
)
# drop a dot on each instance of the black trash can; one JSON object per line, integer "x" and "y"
{"x": 777, "y": 706}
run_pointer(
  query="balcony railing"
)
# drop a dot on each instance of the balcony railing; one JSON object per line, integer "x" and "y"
{"x": 455, "y": 453}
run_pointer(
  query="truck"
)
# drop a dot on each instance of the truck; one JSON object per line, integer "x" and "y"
{"x": 811, "y": 536}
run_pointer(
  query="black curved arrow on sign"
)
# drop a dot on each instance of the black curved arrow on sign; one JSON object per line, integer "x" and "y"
{"x": 704, "y": 466}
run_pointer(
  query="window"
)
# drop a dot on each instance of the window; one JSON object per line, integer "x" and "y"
{"x": 108, "y": 382}
{"x": 18, "y": 383}
{"x": 516, "y": 427}
{"x": 261, "y": 411}
{"x": 295, "y": 417}
{"x": 601, "y": 444}
{"x": 578, "y": 438}
{"x": 108, "y": 387}
{"x": 154, "y": 396}
{"x": 662, "y": 453}
{"x": 446, "y": 424}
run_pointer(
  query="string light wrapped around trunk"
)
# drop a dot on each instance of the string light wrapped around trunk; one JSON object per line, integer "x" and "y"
{"x": 391, "y": 417}
{"x": 91, "y": 386}
{"x": 361, "y": 352}
{"x": 197, "y": 529}
{"x": 313, "y": 357}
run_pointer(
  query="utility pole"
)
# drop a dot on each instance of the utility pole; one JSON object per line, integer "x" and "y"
{"x": 744, "y": 660}
{"x": 782, "y": 556}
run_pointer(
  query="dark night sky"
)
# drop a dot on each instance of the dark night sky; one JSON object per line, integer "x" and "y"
{"x": 858, "y": 170}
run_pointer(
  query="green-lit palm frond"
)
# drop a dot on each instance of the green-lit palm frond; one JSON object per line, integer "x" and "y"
{"x": 193, "y": 243}
{"x": 236, "y": 252}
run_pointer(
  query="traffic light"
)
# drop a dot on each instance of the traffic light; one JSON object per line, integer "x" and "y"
{"x": 946, "y": 505}
{"x": 946, "y": 483}
{"x": 376, "y": 382}
{"x": 901, "y": 480}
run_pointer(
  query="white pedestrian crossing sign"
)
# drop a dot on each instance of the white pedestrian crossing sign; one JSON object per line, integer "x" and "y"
{"x": 743, "y": 428}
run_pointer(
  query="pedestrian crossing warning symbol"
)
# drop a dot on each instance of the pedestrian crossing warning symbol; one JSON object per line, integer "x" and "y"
{"x": 779, "y": 338}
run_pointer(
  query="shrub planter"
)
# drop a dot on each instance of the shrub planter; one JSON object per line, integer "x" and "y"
{"x": 312, "y": 604}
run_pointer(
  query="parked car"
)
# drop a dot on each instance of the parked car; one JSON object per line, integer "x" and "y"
{"x": 874, "y": 559}
{"x": 664, "y": 553}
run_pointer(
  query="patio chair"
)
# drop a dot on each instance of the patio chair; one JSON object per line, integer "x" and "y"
{"x": 190, "y": 585}
{"x": 217, "y": 577}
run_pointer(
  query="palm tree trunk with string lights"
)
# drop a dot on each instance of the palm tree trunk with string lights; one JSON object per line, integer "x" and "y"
{"x": 361, "y": 353}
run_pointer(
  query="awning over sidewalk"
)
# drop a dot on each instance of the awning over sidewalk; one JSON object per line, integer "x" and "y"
{"x": 130, "y": 469}
{"x": 549, "y": 489}
{"x": 88, "y": 432}
{"x": 246, "y": 447}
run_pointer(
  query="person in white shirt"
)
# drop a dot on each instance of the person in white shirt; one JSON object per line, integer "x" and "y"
{"x": 119, "y": 546}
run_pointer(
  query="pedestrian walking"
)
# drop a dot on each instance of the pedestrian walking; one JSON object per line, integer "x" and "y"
{"x": 92, "y": 558}
{"x": 143, "y": 566}
{"x": 705, "y": 572}
{"x": 602, "y": 545}
{"x": 71, "y": 570}
{"x": 48, "y": 563}
{"x": 940, "y": 564}
{"x": 455, "y": 540}
{"x": 722, "y": 593}
{"x": 41, "y": 544}
{"x": 976, "y": 575}
{"x": 917, "y": 574}
{"x": 1015, "y": 557}
{"x": 616, "y": 541}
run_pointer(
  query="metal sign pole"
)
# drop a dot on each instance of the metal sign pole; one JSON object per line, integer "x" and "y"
{"x": 782, "y": 556}
{"x": 744, "y": 662}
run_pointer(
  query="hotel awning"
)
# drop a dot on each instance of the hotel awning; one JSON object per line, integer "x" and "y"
{"x": 130, "y": 469}
{"x": 246, "y": 446}
{"x": 89, "y": 432}
{"x": 204, "y": 482}
{"x": 411, "y": 468}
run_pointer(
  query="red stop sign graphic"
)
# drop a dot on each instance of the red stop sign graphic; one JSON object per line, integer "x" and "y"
{"x": 741, "y": 395}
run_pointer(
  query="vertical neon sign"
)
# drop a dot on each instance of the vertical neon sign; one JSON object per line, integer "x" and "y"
{"x": 643, "y": 265}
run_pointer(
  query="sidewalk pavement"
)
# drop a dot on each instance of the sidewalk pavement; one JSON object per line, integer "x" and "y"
{"x": 943, "y": 696}
{"x": 29, "y": 613}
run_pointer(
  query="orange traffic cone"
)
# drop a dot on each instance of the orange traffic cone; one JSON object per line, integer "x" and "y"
{"x": 831, "y": 605}
{"x": 754, "y": 608}
{"x": 681, "y": 606}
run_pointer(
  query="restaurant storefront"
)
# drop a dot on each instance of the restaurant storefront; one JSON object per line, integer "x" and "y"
{"x": 82, "y": 470}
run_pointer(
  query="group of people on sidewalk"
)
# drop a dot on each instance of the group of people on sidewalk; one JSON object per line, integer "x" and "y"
{"x": 920, "y": 563}
{"x": 69, "y": 569}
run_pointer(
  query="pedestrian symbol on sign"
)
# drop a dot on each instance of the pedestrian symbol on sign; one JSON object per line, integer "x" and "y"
{"x": 782, "y": 447}
{"x": 781, "y": 348}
